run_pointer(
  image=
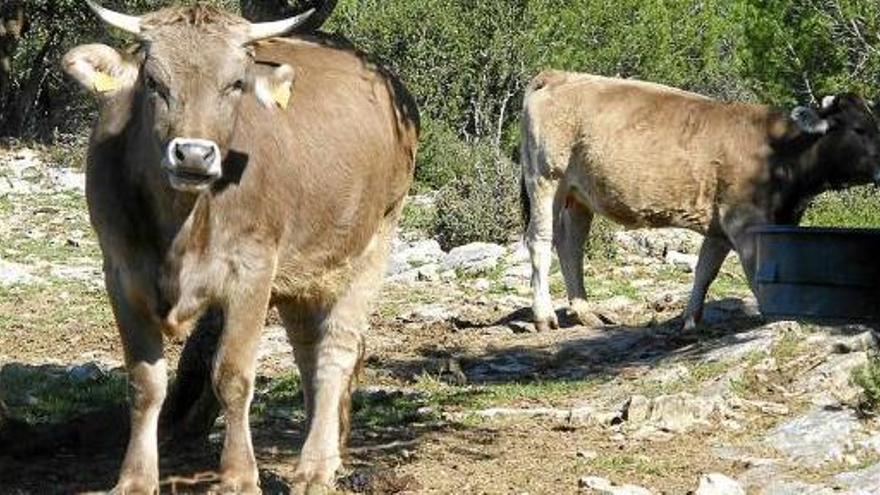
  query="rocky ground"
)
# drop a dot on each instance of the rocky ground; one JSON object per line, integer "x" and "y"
{"x": 460, "y": 394}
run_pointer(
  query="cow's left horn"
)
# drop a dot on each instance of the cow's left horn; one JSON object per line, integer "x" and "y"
{"x": 260, "y": 30}
{"x": 125, "y": 22}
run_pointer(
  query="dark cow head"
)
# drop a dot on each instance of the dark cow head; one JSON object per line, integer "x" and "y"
{"x": 187, "y": 79}
{"x": 848, "y": 145}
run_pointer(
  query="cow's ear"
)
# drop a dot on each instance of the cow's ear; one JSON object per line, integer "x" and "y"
{"x": 100, "y": 69}
{"x": 275, "y": 88}
{"x": 809, "y": 121}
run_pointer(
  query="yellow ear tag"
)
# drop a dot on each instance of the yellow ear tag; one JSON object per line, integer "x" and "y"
{"x": 281, "y": 94}
{"x": 104, "y": 83}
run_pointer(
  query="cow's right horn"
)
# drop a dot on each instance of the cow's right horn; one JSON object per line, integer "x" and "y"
{"x": 261, "y": 30}
{"x": 809, "y": 121}
{"x": 125, "y": 22}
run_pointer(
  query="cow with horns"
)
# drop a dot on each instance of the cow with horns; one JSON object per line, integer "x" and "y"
{"x": 230, "y": 170}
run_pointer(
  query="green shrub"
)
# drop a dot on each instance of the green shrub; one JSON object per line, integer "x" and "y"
{"x": 481, "y": 204}
{"x": 856, "y": 207}
{"x": 867, "y": 377}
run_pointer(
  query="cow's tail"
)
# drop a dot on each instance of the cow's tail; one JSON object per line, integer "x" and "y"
{"x": 528, "y": 142}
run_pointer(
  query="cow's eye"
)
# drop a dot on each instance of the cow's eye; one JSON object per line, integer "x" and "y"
{"x": 154, "y": 87}
{"x": 861, "y": 131}
{"x": 238, "y": 85}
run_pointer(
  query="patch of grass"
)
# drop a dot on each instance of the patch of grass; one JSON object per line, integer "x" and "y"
{"x": 855, "y": 207}
{"x": 786, "y": 348}
{"x": 867, "y": 377}
{"x": 40, "y": 396}
{"x": 418, "y": 217}
{"x": 628, "y": 464}
{"x": 522, "y": 394}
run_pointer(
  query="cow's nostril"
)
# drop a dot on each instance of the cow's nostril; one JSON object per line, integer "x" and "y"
{"x": 209, "y": 156}
{"x": 178, "y": 153}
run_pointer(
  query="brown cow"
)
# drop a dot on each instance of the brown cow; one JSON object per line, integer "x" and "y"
{"x": 646, "y": 155}
{"x": 215, "y": 181}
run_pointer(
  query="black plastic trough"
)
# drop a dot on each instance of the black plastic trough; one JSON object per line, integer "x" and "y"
{"x": 818, "y": 273}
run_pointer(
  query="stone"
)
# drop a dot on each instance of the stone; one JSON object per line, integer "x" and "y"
{"x": 12, "y": 273}
{"x": 686, "y": 262}
{"x": 481, "y": 285}
{"x": 411, "y": 261}
{"x": 586, "y": 454}
{"x": 819, "y": 437}
{"x": 596, "y": 484}
{"x": 474, "y": 259}
{"x": 787, "y": 487}
{"x": 719, "y": 484}
{"x": 864, "y": 481}
{"x": 429, "y": 313}
{"x": 681, "y": 412}
{"x": 637, "y": 409}
{"x": 86, "y": 372}
{"x": 275, "y": 351}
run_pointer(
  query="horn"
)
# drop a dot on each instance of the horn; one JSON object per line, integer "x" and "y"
{"x": 828, "y": 101}
{"x": 129, "y": 23}
{"x": 260, "y": 30}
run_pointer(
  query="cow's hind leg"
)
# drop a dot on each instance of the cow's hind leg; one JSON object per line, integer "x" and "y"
{"x": 712, "y": 254}
{"x": 234, "y": 373}
{"x": 142, "y": 341}
{"x": 328, "y": 347}
{"x": 539, "y": 239}
{"x": 572, "y": 232}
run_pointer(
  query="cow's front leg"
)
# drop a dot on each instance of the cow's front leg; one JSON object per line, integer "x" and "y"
{"x": 233, "y": 380}
{"x": 142, "y": 342}
{"x": 712, "y": 254}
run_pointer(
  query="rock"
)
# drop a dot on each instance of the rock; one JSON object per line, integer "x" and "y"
{"x": 686, "y": 262}
{"x": 657, "y": 242}
{"x": 521, "y": 326}
{"x": 783, "y": 487}
{"x": 864, "y": 481}
{"x": 474, "y": 258}
{"x": 416, "y": 260}
{"x": 861, "y": 342}
{"x": 816, "y": 438}
{"x": 15, "y": 274}
{"x": 737, "y": 346}
{"x": 66, "y": 179}
{"x": 87, "y": 372}
{"x": 637, "y": 409}
{"x": 481, "y": 285}
{"x": 719, "y": 484}
{"x": 830, "y": 383}
{"x": 429, "y": 313}
{"x": 681, "y": 412}
{"x": 595, "y": 484}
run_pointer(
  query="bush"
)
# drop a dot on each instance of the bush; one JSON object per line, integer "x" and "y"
{"x": 856, "y": 207}
{"x": 867, "y": 377}
{"x": 482, "y": 204}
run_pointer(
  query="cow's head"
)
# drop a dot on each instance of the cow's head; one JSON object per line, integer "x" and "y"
{"x": 848, "y": 142}
{"x": 186, "y": 81}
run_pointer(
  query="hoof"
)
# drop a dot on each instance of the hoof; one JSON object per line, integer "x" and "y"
{"x": 316, "y": 477}
{"x": 547, "y": 324}
{"x": 135, "y": 487}
{"x": 691, "y": 322}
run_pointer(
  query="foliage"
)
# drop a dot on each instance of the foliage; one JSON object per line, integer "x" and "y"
{"x": 481, "y": 203}
{"x": 867, "y": 377}
{"x": 856, "y": 207}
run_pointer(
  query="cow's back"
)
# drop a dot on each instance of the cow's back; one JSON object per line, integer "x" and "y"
{"x": 640, "y": 153}
{"x": 326, "y": 171}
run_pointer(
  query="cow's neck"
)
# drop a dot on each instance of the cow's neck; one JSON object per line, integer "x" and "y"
{"x": 798, "y": 176}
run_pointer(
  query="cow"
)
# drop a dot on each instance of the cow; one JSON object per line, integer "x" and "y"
{"x": 230, "y": 170}
{"x": 648, "y": 155}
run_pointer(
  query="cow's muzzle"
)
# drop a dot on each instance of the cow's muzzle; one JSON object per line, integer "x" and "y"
{"x": 192, "y": 164}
